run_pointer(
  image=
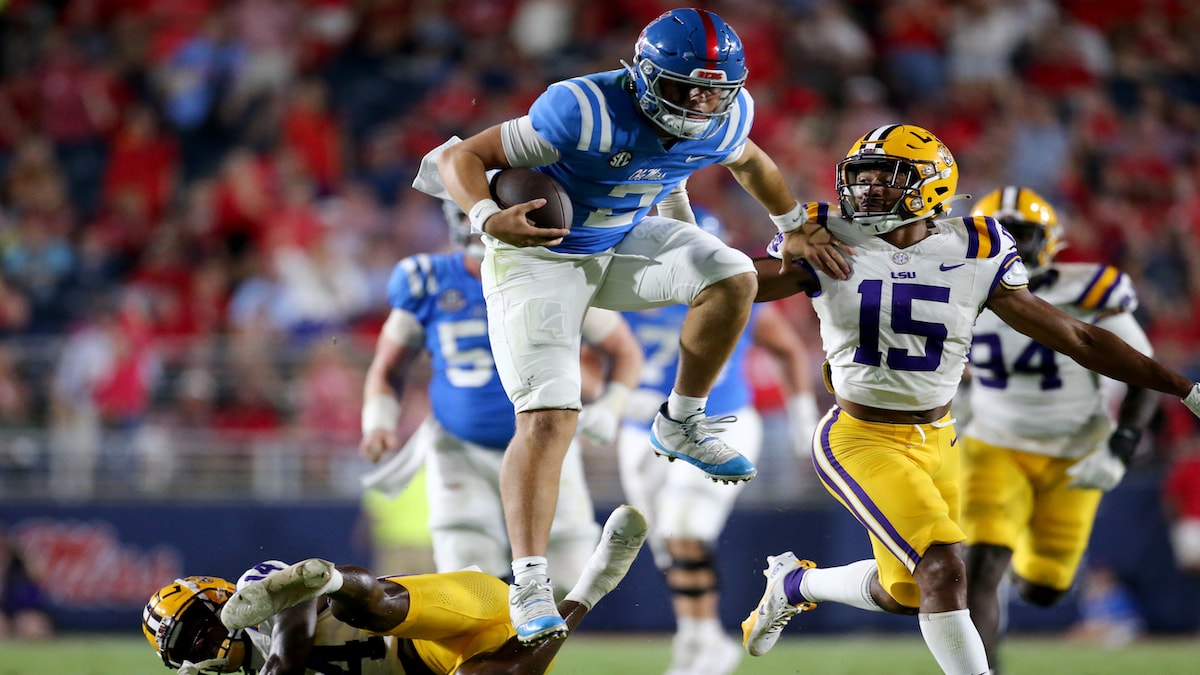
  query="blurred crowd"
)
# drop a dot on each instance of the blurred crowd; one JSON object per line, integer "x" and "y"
{"x": 198, "y": 197}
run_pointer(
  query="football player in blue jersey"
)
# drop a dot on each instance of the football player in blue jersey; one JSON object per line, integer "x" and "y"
{"x": 686, "y": 511}
{"x": 619, "y": 142}
{"x": 438, "y": 308}
{"x": 896, "y": 336}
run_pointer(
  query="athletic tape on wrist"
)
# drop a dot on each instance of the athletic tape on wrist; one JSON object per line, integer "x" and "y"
{"x": 483, "y": 209}
{"x": 380, "y": 412}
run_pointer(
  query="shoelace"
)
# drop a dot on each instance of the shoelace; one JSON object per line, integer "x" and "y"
{"x": 782, "y": 618}
{"x": 703, "y": 431}
{"x": 524, "y": 591}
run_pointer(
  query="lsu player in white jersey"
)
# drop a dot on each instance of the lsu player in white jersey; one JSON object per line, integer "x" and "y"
{"x": 317, "y": 617}
{"x": 620, "y": 143}
{"x": 687, "y": 512}
{"x": 437, "y": 307}
{"x": 896, "y": 335}
{"x": 1043, "y": 448}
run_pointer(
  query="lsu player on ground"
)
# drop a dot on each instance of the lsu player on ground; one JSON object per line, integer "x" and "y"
{"x": 896, "y": 335}
{"x": 686, "y": 510}
{"x": 1043, "y": 449}
{"x": 315, "y": 617}
{"x": 620, "y": 143}
{"x": 437, "y": 307}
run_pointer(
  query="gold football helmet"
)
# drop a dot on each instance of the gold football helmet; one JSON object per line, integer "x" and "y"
{"x": 182, "y": 621}
{"x": 1029, "y": 219}
{"x": 912, "y": 160}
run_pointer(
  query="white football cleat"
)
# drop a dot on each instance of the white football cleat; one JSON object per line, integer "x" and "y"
{"x": 761, "y": 630}
{"x": 260, "y": 600}
{"x": 695, "y": 441}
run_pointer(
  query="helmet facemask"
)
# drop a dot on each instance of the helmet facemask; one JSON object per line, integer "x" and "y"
{"x": 461, "y": 235}
{"x": 863, "y": 184}
{"x": 198, "y": 636}
{"x": 664, "y": 96}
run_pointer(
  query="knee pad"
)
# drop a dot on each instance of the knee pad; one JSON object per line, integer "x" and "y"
{"x": 701, "y": 572}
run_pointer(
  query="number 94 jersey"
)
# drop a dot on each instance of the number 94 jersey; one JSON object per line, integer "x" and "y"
{"x": 1037, "y": 400}
{"x": 897, "y": 332}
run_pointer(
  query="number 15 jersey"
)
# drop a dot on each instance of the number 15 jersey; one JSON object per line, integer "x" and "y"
{"x": 896, "y": 333}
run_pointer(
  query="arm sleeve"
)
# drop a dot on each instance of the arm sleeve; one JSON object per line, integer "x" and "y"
{"x": 524, "y": 146}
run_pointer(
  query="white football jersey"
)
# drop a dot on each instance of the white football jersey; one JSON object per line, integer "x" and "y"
{"x": 897, "y": 332}
{"x": 352, "y": 649}
{"x": 1028, "y": 397}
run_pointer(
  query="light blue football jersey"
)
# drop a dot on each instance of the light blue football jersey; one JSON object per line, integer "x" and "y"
{"x": 464, "y": 389}
{"x": 612, "y": 162}
{"x": 657, "y": 330}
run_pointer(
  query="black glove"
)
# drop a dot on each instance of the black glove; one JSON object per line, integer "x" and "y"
{"x": 1123, "y": 443}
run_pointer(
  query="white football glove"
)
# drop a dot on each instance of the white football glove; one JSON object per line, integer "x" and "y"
{"x": 1192, "y": 400}
{"x": 1099, "y": 470}
{"x": 803, "y": 416}
{"x": 600, "y": 419}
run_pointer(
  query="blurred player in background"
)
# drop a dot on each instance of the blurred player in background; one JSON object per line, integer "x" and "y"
{"x": 620, "y": 143}
{"x": 1043, "y": 448}
{"x": 896, "y": 336}
{"x": 686, "y": 510}
{"x": 438, "y": 307}
{"x": 317, "y": 617}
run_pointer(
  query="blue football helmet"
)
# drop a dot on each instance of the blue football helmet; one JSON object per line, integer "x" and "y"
{"x": 679, "y": 51}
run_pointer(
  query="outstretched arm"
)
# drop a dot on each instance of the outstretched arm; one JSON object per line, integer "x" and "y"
{"x": 775, "y": 283}
{"x": 1093, "y": 348}
{"x": 760, "y": 176}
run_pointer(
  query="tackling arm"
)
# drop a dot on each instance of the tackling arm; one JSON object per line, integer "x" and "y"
{"x": 775, "y": 283}
{"x": 1093, "y": 348}
{"x": 760, "y": 176}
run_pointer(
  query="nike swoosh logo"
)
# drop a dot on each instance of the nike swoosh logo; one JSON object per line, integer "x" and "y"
{"x": 946, "y": 268}
{"x": 953, "y": 441}
{"x": 694, "y": 158}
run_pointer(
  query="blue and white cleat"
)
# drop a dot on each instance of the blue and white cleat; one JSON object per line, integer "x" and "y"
{"x": 534, "y": 613}
{"x": 695, "y": 441}
{"x": 761, "y": 630}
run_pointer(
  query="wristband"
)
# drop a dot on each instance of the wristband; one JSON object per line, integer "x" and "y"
{"x": 1123, "y": 443}
{"x": 791, "y": 220}
{"x": 483, "y": 209}
{"x": 380, "y": 411}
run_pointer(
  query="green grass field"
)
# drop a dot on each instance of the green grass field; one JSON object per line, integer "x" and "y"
{"x": 648, "y": 654}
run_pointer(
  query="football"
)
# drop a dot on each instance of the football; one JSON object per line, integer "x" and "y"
{"x": 516, "y": 186}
